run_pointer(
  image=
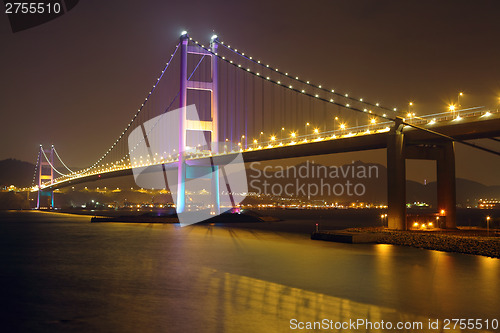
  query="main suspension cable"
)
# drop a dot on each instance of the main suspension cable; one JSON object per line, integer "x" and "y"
{"x": 51, "y": 165}
{"x": 62, "y": 160}
{"x": 138, "y": 111}
{"x": 36, "y": 169}
{"x": 347, "y": 106}
{"x": 296, "y": 78}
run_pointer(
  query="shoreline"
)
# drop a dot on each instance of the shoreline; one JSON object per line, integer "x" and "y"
{"x": 465, "y": 241}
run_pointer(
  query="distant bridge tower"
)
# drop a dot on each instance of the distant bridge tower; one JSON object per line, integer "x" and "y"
{"x": 45, "y": 173}
{"x": 186, "y": 125}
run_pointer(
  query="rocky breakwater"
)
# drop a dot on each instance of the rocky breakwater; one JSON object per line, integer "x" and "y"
{"x": 449, "y": 242}
{"x": 477, "y": 242}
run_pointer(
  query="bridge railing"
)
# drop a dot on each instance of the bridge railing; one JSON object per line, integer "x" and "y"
{"x": 447, "y": 116}
{"x": 369, "y": 128}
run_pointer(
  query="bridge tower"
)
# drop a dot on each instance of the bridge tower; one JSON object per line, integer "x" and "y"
{"x": 398, "y": 150}
{"x": 186, "y": 125}
{"x": 45, "y": 173}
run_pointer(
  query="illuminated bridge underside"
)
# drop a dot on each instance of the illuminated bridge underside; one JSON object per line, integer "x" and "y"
{"x": 466, "y": 129}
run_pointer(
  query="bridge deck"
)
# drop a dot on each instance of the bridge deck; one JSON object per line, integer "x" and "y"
{"x": 476, "y": 127}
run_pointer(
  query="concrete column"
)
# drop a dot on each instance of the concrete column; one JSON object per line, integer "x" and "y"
{"x": 446, "y": 186}
{"x": 396, "y": 178}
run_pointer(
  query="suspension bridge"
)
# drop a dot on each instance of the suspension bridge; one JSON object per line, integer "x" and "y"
{"x": 249, "y": 107}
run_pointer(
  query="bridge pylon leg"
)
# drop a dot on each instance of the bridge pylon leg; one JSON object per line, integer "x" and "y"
{"x": 214, "y": 99}
{"x": 446, "y": 185}
{"x": 39, "y": 175}
{"x": 396, "y": 179}
{"x": 181, "y": 168}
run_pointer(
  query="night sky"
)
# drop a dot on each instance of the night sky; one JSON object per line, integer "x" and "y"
{"x": 77, "y": 80}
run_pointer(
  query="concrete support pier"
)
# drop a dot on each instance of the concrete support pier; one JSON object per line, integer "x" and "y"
{"x": 396, "y": 178}
{"x": 446, "y": 184}
{"x": 398, "y": 150}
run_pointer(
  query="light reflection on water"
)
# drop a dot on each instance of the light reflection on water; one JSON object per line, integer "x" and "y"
{"x": 61, "y": 273}
{"x": 270, "y": 306}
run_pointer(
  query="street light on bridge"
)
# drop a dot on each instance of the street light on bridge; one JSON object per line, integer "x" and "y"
{"x": 410, "y": 116}
{"x": 342, "y": 127}
{"x": 451, "y": 107}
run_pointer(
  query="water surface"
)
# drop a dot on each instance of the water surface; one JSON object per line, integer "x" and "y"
{"x": 60, "y": 273}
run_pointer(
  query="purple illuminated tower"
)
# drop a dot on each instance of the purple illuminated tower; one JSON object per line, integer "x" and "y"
{"x": 189, "y": 125}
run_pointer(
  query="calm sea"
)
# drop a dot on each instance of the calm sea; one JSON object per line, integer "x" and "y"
{"x": 60, "y": 273}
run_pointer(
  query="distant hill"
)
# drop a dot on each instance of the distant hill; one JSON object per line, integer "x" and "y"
{"x": 15, "y": 172}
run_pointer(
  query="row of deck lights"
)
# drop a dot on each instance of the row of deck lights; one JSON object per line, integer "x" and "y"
{"x": 122, "y": 164}
{"x": 147, "y": 161}
{"x": 293, "y": 136}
